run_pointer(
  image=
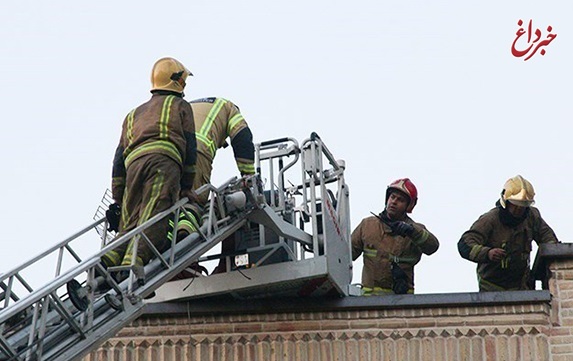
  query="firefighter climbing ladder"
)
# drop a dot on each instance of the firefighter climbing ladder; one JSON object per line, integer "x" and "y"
{"x": 85, "y": 304}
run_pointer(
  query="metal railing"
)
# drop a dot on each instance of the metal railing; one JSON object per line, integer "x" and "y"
{"x": 45, "y": 323}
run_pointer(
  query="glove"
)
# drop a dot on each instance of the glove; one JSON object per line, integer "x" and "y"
{"x": 113, "y": 215}
{"x": 400, "y": 278}
{"x": 402, "y": 228}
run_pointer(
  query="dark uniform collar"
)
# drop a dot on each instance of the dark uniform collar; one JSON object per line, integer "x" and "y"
{"x": 507, "y": 218}
{"x": 383, "y": 216}
{"x": 166, "y": 92}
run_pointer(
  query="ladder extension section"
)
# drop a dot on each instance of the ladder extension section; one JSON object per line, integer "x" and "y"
{"x": 69, "y": 316}
{"x": 297, "y": 245}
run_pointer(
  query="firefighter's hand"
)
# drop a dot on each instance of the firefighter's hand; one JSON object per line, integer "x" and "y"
{"x": 402, "y": 228}
{"x": 496, "y": 254}
{"x": 190, "y": 194}
{"x": 113, "y": 215}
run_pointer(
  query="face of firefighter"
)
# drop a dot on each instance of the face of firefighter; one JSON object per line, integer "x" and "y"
{"x": 515, "y": 210}
{"x": 182, "y": 82}
{"x": 396, "y": 205}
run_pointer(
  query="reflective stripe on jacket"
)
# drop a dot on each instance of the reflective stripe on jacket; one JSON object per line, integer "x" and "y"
{"x": 162, "y": 125}
{"x": 488, "y": 232}
{"x": 216, "y": 119}
{"x": 380, "y": 247}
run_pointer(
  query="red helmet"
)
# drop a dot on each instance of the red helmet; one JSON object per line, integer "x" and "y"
{"x": 405, "y": 186}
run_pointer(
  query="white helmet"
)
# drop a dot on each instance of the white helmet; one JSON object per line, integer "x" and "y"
{"x": 517, "y": 190}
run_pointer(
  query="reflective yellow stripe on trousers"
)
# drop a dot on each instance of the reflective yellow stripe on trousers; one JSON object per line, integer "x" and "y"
{"x": 155, "y": 192}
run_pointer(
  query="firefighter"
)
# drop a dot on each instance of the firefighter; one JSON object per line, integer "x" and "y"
{"x": 217, "y": 119}
{"x": 500, "y": 240}
{"x": 154, "y": 164}
{"x": 392, "y": 243}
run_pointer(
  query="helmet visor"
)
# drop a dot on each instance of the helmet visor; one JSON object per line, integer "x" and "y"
{"x": 521, "y": 203}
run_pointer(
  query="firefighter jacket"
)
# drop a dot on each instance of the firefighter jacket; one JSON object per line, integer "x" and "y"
{"x": 163, "y": 125}
{"x": 498, "y": 229}
{"x": 217, "y": 119}
{"x": 380, "y": 247}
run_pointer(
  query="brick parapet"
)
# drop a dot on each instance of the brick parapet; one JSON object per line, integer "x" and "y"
{"x": 561, "y": 288}
{"x": 529, "y": 325}
{"x": 396, "y": 334}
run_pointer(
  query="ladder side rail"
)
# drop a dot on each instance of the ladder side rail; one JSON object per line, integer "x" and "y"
{"x": 98, "y": 323}
{"x": 28, "y": 301}
{"x": 61, "y": 280}
{"x": 77, "y": 350}
{"x": 16, "y": 272}
{"x": 231, "y": 223}
{"x": 42, "y": 292}
{"x": 136, "y": 231}
{"x": 185, "y": 255}
{"x": 64, "y": 345}
{"x": 105, "y": 317}
{"x": 59, "y": 316}
{"x": 177, "y": 209}
{"x": 49, "y": 251}
{"x": 136, "y": 234}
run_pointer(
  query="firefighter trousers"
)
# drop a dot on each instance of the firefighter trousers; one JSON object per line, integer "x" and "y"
{"x": 203, "y": 169}
{"x": 152, "y": 186}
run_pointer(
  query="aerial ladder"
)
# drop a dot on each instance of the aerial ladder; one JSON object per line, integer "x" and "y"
{"x": 289, "y": 239}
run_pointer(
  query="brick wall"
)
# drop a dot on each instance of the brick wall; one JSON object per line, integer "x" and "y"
{"x": 526, "y": 325}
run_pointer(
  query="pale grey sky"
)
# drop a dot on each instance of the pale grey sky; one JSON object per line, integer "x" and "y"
{"x": 421, "y": 89}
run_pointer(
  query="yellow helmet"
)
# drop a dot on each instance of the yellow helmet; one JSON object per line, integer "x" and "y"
{"x": 169, "y": 74}
{"x": 517, "y": 190}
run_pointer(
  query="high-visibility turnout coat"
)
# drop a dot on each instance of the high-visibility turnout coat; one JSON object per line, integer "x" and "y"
{"x": 380, "y": 247}
{"x": 154, "y": 160}
{"x": 497, "y": 229}
{"x": 217, "y": 119}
